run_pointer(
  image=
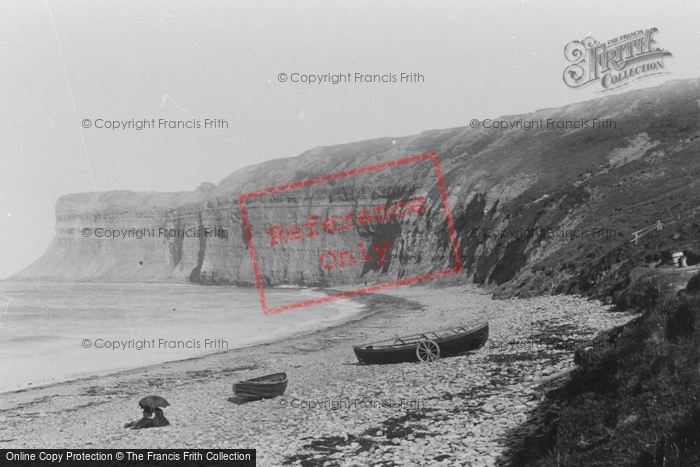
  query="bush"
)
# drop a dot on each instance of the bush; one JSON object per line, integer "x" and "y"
{"x": 681, "y": 322}
{"x": 641, "y": 295}
{"x": 693, "y": 286}
{"x": 692, "y": 257}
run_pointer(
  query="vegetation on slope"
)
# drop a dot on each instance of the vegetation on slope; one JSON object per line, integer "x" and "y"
{"x": 635, "y": 402}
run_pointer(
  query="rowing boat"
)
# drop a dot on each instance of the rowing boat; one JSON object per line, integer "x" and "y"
{"x": 425, "y": 347}
{"x": 263, "y": 387}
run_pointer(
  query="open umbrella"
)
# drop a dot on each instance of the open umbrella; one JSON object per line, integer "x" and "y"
{"x": 153, "y": 402}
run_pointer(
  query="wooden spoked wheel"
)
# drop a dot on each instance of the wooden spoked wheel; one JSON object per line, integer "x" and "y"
{"x": 427, "y": 351}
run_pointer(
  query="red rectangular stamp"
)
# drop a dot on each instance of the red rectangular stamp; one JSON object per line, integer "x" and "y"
{"x": 341, "y": 231}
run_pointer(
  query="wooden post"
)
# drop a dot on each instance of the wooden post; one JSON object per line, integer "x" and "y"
{"x": 636, "y": 236}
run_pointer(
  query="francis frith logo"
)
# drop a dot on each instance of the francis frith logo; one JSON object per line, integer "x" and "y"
{"x": 614, "y": 63}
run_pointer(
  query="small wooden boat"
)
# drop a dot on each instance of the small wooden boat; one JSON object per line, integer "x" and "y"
{"x": 425, "y": 347}
{"x": 263, "y": 387}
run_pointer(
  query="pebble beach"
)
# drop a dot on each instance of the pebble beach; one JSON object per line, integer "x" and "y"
{"x": 460, "y": 411}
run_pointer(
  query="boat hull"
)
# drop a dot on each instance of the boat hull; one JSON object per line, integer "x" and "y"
{"x": 469, "y": 341}
{"x": 264, "y": 387}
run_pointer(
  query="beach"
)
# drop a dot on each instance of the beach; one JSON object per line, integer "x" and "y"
{"x": 60, "y": 331}
{"x": 464, "y": 410}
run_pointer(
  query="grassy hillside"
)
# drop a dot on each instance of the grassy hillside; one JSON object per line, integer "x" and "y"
{"x": 642, "y": 167}
{"x": 634, "y": 403}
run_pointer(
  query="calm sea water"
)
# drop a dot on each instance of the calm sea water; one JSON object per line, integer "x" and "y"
{"x": 52, "y": 332}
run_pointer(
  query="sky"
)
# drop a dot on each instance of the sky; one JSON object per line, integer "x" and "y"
{"x": 71, "y": 66}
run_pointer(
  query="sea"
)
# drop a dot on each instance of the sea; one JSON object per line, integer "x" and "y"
{"x": 58, "y": 331}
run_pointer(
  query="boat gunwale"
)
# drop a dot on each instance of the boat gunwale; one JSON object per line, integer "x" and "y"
{"x": 414, "y": 339}
{"x": 260, "y": 380}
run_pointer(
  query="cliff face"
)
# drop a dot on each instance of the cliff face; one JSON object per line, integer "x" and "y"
{"x": 91, "y": 240}
{"x": 638, "y": 164}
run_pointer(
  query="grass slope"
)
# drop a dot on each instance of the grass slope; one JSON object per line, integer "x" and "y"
{"x": 635, "y": 402}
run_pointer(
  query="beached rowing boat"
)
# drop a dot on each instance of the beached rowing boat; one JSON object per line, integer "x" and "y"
{"x": 426, "y": 347}
{"x": 261, "y": 388}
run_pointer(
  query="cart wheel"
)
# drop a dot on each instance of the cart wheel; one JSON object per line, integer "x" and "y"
{"x": 427, "y": 351}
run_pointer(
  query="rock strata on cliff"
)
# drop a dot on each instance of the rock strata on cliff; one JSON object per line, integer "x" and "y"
{"x": 525, "y": 203}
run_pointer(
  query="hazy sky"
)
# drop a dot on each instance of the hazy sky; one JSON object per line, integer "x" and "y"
{"x": 64, "y": 62}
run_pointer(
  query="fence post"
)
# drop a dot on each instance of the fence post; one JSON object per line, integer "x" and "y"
{"x": 636, "y": 237}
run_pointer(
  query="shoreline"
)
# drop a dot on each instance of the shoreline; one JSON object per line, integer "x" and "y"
{"x": 466, "y": 409}
{"x": 26, "y": 395}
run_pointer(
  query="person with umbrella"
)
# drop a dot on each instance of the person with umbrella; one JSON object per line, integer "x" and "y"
{"x": 152, "y": 414}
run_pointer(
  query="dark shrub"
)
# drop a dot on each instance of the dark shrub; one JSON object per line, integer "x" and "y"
{"x": 692, "y": 257}
{"x": 693, "y": 284}
{"x": 681, "y": 323}
{"x": 641, "y": 294}
{"x": 666, "y": 259}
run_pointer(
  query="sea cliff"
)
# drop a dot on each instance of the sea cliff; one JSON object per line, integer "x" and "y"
{"x": 524, "y": 200}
